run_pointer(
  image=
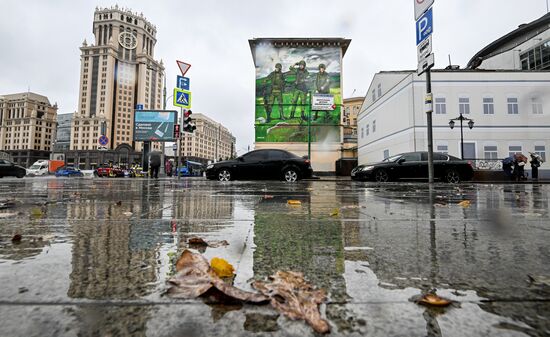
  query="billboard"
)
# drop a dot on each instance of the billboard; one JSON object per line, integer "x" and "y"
{"x": 295, "y": 85}
{"x": 154, "y": 125}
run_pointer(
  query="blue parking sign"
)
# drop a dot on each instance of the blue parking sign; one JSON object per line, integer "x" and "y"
{"x": 183, "y": 83}
{"x": 424, "y": 26}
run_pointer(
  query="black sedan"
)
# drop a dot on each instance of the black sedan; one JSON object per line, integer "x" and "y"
{"x": 262, "y": 164}
{"x": 7, "y": 169}
{"x": 414, "y": 165}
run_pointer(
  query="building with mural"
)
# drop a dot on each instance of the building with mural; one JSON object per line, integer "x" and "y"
{"x": 298, "y": 98}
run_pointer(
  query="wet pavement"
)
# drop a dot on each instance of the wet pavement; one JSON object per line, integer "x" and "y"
{"x": 95, "y": 254}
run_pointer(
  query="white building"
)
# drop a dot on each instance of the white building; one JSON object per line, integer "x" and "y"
{"x": 510, "y": 106}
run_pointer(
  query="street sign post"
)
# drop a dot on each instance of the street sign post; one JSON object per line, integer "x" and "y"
{"x": 424, "y": 27}
{"x": 183, "y": 67}
{"x": 425, "y": 64}
{"x": 183, "y": 82}
{"x": 139, "y": 106}
{"x": 421, "y": 6}
{"x": 182, "y": 98}
{"x": 424, "y": 49}
{"x": 175, "y": 147}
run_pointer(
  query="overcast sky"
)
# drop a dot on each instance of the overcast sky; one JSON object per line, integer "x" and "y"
{"x": 40, "y": 40}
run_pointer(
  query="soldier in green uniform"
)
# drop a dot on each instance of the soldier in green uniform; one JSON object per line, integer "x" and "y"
{"x": 322, "y": 83}
{"x": 277, "y": 81}
{"x": 300, "y": 87}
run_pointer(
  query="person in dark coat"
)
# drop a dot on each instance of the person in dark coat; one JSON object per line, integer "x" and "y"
{"x": 536, "y": 160}
{"x": 154, "y": 163}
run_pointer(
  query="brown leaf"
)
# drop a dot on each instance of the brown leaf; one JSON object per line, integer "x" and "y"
{"x": 291, "y": 295}
{"x": 118, "y": 203}
{"x": 196, "y": 241}
{"x": 433, "y": 300}
{"x": 16, "y": 238}
{"x": 195, "y": 277}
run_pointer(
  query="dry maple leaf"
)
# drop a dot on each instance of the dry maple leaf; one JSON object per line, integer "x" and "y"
{"x": 291, "y": 295}
{"x": 294, "y": 202}
{"x": 464, "y": 203}
{"x": 195, "y": 277}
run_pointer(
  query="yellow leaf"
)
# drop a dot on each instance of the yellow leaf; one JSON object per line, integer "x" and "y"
{"x": 335, "y": 212}
{"x": 465, "y": 203}
{"x": 434, "y": 300}
{"x": 294, "y": 202}
{"x": 221, "y": 267}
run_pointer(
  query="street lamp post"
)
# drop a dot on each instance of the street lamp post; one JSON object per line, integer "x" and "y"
{"x": 470, "y": 125}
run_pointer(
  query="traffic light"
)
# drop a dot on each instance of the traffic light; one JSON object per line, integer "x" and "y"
{"x": 176, "y": 131}
{"x": 188, "y": 125}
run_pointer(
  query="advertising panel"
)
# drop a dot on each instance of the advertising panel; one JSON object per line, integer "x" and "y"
{"x": 154, "y": 125}
{"x": 293, "y": 85}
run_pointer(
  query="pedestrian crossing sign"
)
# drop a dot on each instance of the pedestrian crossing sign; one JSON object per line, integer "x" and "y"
{"x": 182, "y": 98}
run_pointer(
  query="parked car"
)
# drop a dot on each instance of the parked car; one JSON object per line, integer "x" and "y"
{"x": 109, "y": 171}
{"x": 9, "y": 169}
{"x": 68, "y": 171}
{"x": 262, "y": 164}
{"x": 39, "y": 168}
{"x": 414, "y": 165}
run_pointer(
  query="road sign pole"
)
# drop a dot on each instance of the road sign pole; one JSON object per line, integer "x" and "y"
{"x": 430, "y": 128}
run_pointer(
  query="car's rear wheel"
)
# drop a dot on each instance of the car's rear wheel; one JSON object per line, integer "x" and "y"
{"x": 224, "y": 175}
{"x": 452, "y": 176}
{"x": 20, "y": 175}
{"x": 381, "y": 176}
{"x": 290, "y": 175}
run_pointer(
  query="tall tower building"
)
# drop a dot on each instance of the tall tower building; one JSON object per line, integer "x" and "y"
{"x": 117, "y": 73}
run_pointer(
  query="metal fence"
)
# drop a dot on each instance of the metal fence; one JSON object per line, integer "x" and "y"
{"x": 487, "y": 164}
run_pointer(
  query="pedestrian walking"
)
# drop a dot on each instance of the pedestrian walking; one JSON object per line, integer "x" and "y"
{"x": 507, "y": 165}
{"x": 154, "y": 164}
{"x": 519, "y": 166}
{"x": 168, "y": 168}
{"x": 536, "y": 161}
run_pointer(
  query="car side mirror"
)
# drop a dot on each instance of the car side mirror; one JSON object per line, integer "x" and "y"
{"x": 240, "y": 159}
{"x": 401, "y": 161}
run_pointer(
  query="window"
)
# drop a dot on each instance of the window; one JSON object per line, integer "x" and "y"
{"x": 464, "y": 105}
{"x": 513, "y": 149}
{"x": 536, "y": 103}
{"x": 440, "y": 105}
{"x": 513, "y": 108}
{"x": 362, "y": 133}
{"x": 373, "y": 126}
{"x": 488, "y": 106}
{"x": 373, "y": 95}
{"x": 379, "y": 89}
{"x": 490, "y": 152}
{"x": 443, "y": 148}
{"x": 367, "y": 130}
{"x": 541, "y": 151}
{"x": 386, "y": 154}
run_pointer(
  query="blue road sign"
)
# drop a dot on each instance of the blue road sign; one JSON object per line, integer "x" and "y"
{"x": 139, "y": 106}
{"x": 182, "y": 98}
{"x": 183, "y": 82}
{"x": 103, "y": 140}
{"x": 424, "y": 26}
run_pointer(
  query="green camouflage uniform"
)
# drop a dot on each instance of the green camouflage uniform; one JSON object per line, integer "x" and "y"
{"x": 277, "y": 80}
{"x": 322, "y": 84}
{"x": 300, "y": 88}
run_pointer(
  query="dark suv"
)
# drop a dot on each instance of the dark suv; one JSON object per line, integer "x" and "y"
{"x": 7, "y": 168}
{"x": 262, "y": 164}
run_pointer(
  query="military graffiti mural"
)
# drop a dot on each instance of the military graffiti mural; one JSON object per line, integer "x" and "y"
{"x": 287, "y": 81}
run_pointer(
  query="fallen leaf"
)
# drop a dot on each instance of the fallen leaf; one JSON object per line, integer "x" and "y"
{"x": 195, "y": 277}
{"x": 335, "y": 212}
{"x": 294, "y": 202}
{"x": 196, "y": 241}
{"x": 16, "y": 238}
{"x": 433, "y": 300}
{"x": 464, "y": 203}
{"x": 118, "y": 203}
{"x": 540, "y": 280}
{"x": 127, "y": 213}
{"x": 36, "y": 212}
{"x": 221, "y": 267}
{"x": 291, "y": 295}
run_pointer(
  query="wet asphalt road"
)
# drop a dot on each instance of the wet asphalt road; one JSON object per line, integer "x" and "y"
{"x": 95, "y": 255}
